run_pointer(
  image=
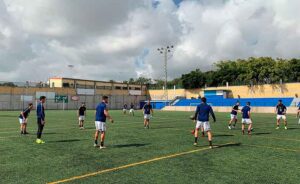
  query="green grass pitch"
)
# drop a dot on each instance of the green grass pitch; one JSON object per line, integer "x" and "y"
{"x": 268, "y": 156}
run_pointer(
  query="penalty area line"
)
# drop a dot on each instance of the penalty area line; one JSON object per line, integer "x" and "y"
{"x": 133, "y": 164}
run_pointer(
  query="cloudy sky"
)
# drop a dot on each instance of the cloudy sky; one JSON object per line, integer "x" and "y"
{"x": 118, "y": 39}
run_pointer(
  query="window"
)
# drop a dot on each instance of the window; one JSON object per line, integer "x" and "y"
{"x": 100, "y": 87}
{"x": 137, "y": 88}
{"x": 66, "y": 85}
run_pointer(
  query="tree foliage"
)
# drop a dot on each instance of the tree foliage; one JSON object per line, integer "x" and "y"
{"x": 251, "y": 71}
{"x": 263, "y": 70}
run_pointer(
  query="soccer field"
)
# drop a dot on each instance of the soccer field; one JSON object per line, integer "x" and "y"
{"x": 162, "y": 154}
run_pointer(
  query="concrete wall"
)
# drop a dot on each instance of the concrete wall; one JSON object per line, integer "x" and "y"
{"x": 257, "y": 91}
{"x": 290, "y": 110}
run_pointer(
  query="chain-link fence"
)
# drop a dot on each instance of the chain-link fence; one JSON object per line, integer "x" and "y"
{"x": 18, "y": 102}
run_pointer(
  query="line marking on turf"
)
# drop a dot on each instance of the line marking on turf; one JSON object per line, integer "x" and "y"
{"x": 253, "y": 135}
{"x": 133, "y": 164}
{"x": 271, "y": 147}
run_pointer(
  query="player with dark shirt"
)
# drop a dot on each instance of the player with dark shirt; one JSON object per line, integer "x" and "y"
{"x": 148, "y": 113}
{"x": 233, "y": 115}
{"x": 40, "y": 113}
{"x": 246, "y": 118}
{"x": 23, "y": 118}
{"x": 124, "y": 109}
{"x": 202, "y": 116}
{"x": 280, "y": 110}
{"x": 100, "y": 121}
{"x": 131, "y": 111}
{"x": 81, "y": 115}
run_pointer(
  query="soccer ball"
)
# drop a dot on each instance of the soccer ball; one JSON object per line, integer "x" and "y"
{"x": 192, "y": 117}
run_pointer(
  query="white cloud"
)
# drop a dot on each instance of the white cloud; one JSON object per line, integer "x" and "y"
{"x": 107, "y": 39}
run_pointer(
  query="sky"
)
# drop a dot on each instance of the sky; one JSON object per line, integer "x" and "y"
{"x": 118, "y": 39}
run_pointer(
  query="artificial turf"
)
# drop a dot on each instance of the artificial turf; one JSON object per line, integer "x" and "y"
{"x": 267, "y": 156}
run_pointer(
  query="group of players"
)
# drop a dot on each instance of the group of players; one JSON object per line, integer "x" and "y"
{"x": 131, "y": 110}
{"x": 201, "y": 118}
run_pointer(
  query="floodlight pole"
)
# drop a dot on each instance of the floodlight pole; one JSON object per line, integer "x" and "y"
{"x": 166, "y": 75}
{"x": 165, "y": 52}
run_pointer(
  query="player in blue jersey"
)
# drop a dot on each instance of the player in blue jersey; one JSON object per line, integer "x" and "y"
{"x": 148, "y": 113}
{"x": 125, "y": 109}
{"x": 131, "y": 111}
{"x": 298, "y": 114}
{"x": 202, "y": 116}
{"x": 23, "y": 118}
{"x": 233, "y": 115}
{"x": 280, "y": 110}
{"x": 100, "y": 120}
{"x": 40, "y": 113}
{"x": 246, "y": 118}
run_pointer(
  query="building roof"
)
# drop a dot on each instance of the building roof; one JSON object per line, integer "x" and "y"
{"x": 89, "y": 80}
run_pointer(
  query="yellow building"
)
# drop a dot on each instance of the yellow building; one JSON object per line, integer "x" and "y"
{"x": 256, "y": 91}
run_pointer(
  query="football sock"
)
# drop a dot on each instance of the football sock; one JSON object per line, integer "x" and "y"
{"x": 102, "y": 143}
{"x": 96, "y": 141}
{"x": 210, "y": 143}
{"x": 196, "y": 139}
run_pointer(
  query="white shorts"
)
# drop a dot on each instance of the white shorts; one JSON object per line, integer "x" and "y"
{"x": 131, "y": 110}
{"x": 232, "y": 116}
{"x": 100, "y": 126}
{"x": 281, "y": 117}
{"x": 204, "y": 124}
{"x": 147, "y": 116}
{"x": 246, "y": 121}
{"x": 22, "y": 121}
{"x": 124, "y": 110}
{"x": 81, "y": 118}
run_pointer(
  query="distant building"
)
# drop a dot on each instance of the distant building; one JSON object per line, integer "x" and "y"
{"x": 85, "y": 85}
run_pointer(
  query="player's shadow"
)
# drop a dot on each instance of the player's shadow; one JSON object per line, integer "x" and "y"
{"x": 50, "y": 133}
{"x": 129, "y": 145}
{"x": 89, "y": 128}
{"x": 229, "y": 145}
{"x": 166, "y": 127}
{"x": 293, "y": 128}
{"x": 223, "y": 135}
{"x": 69, "y": 140}
{"x": 261, "y": 133}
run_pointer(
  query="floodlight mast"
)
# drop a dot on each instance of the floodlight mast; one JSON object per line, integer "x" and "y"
{"x": 165, "y": 51}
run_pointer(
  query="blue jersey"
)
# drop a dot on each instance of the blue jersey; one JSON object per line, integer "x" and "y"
{"x": 202, "y": 112}
{"x": 40, "y": 111}
{"x": 245, "y": 111}
{"x": 147, "y": 108}
{"x": 100, "y": 116}
{"x": 280, "y": 109}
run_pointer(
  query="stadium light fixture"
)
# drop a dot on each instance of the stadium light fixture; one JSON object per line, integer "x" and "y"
{"x": 166, "y": 51}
